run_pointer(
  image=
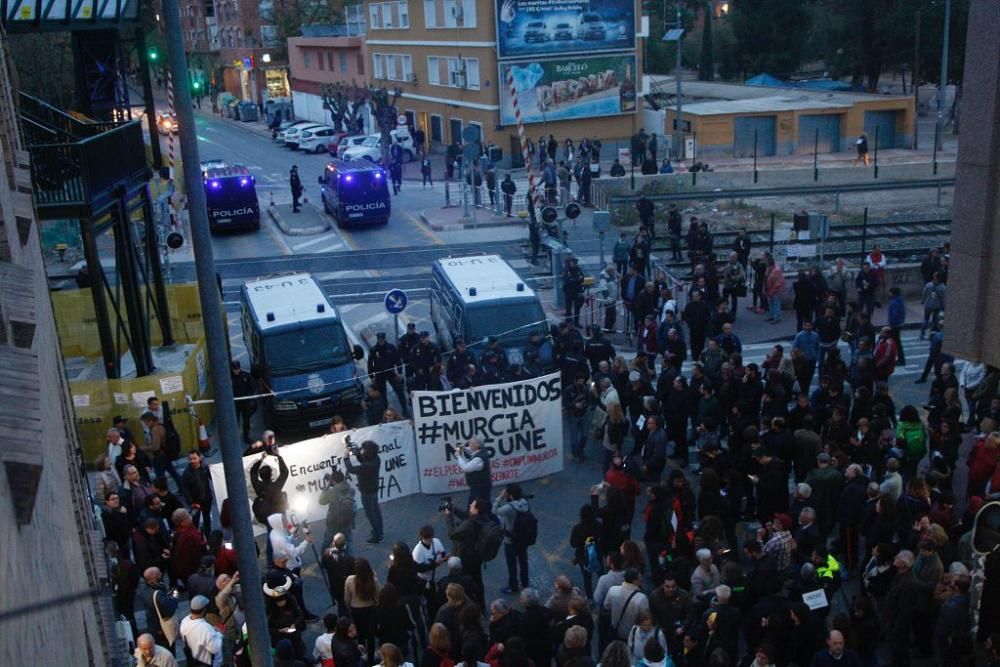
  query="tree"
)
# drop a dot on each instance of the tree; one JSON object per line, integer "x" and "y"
{"x": 706, "y": 66}
{"x": 344, "y": 102}
{"x": 383, "y": 103}
{"x": 770, "y": 35}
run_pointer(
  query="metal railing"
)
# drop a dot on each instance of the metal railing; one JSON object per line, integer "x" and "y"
{"x": 66, "y": 126}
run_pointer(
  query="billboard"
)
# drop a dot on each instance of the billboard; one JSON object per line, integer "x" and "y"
{"x": 568, "y": 88}
{"x": 547, "y": 27}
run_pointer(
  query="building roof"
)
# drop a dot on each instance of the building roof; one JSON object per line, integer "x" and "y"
{"x": 711, "y": 90}
{"x": 774, "y": 104}
{"x": 490, "y": 276}
{"x": 291, "y": 299}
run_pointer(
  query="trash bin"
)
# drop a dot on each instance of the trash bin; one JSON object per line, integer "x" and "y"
{"x": 248, "y": 111}
{"x": 231, "y": 109}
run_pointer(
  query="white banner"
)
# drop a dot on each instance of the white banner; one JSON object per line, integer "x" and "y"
{"x": 520, "y": 423}
{"x": 309, "y": 460}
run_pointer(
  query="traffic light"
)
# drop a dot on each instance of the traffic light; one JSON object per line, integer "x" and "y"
{"x": 153, "y": 54}
{"x": 196, "y": 86}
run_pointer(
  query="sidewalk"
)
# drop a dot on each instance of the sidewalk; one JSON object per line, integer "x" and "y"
{"x": 311, "y": 219}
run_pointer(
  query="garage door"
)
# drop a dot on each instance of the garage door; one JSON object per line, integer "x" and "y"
{"x": 826, "y": 127}
{"x": 744, "y": 129}
{"x": 885, "y": 121}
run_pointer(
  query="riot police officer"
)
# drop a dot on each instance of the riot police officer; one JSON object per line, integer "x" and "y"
{"x": 460, "y": 358}
{"x": 422, "y": 360}
{"x": 598, "y": 349}
{"x": 384, "y": 367}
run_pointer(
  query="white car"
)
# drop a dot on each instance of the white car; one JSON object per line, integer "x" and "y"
{"x": 293, "y": 134}
{"x": 371, "y": 148}
{"x": 283, "y": 129}
{"x": 345, "y": 143}
{"x": 315, "y": 139}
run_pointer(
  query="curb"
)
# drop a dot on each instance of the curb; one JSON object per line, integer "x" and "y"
{"x": 289, "y": 231}
{"x": 460, "y": 226}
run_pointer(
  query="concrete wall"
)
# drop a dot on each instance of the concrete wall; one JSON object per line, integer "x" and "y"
{"x": 48, "y": 563}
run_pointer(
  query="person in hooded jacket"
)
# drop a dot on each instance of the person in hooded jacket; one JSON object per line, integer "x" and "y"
{"x": 283, "y": 548}
{"x": 506, "y": 507}
{"x": 270, "y": 496}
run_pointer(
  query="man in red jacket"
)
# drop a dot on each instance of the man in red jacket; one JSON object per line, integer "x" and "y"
{"x": 188, "y": 546}
{"x": 885, "y": 355}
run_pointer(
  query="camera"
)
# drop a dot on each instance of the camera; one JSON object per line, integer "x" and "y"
{"x": 446, "y": 504}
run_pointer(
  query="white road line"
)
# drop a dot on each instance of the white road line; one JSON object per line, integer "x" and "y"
{"x": 331, "y": 248}
{"x": 318, "y": 239}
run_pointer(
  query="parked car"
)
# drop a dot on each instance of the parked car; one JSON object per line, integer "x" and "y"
{"x": 536, "y": 31}
{"x": 371, "y": 147}
{"x": 342, "y": 140}
{"x": 314, "y": 139}
{"x": 293, "y": 134}
{"x": 591, "y": 27}
{"x": 166, "y": 122}
{"x": 288, "y": 125}
{"x": 563, "y": 31}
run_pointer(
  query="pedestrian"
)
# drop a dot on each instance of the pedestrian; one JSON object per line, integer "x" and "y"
{"x": 586, "y": 175}
{"x": 396, "y": 174}
{"x": 620, "y": 253}
{"x": 510, "y": 507}
{"x": 419, "y": 141}
{"x": 491, "y": 186}
{"x": 474, "y": 461}
{"x": 197, "y": 486}
{"x": 866, "y": 282}
{"x": 244, "y": 387}
{"x": 933, "y": 302}
{"x": 862, "y": 147}
{"x": 425, "y": 171}
{"x": 646, "y": 210}
{"x": 573, "y": 279}
{"x": 202, "y": 642}
{"x": 160, "y": 607}
{"x": 338, "y": 496}
{"x": 466, "y": 537}
{"x": 155, "y": 447}
{"x": 897, "y": 318}
{"x": 295, "y": 183}
{"x": 509, "y": 188}
{"x": 617, "y": 170}
{"x": 367, "y": 470}
{"x": 652, "y": 145}
{"x": 674, "y": 229}
{"x": 149, "y": 654}
{"x": 609, "y": 285}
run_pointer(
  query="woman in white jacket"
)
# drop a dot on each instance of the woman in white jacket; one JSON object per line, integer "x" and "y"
{"x": 641, "y": 632}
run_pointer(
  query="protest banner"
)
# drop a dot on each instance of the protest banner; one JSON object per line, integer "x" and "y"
{"x": 309, "y": 461}
{"x": 519, "y": 423}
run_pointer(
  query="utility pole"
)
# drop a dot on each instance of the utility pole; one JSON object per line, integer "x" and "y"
{"x": 678, "y": 135}
{"x": 916, "y": 82}
{"x": 217, "y": 346}
{"x": 943, "y": 79}
{"x": 147, "y": 97}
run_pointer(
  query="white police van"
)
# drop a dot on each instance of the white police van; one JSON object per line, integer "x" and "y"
{"x": 299, "y": 349}
{"x": 479, "y": 296}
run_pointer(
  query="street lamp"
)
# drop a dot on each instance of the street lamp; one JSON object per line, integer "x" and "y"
{"x": 675, "y": 35}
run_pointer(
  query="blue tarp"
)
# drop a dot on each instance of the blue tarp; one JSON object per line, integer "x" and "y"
{"x": 769, "y": 81}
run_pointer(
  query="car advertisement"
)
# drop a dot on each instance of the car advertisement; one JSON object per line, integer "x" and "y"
{"x": 546, "y": 27}
{"x": 568, "y": 88}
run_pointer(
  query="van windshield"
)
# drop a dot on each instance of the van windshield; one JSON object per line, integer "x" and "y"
{"x": 519, "y": 319}
{"x": 303, "y": 350}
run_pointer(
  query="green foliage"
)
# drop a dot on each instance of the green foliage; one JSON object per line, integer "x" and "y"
{"x": 771, "y": 35}
{"x": 706, "y": 65}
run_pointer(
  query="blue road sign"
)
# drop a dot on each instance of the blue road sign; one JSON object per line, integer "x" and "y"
{"x": 395, "y": 301}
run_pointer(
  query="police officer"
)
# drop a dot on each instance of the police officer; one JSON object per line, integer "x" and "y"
{"x": 384, "y": 366}
{"x": 460, "y": 358}
{"x": 493, "y": 345}
{"x": 491, "y": 372}
{"x": 422, "y": 360}
{"x": 408, "y": 341}
{"x": 295, "y": 184}
{"x": 244, "y": 386}
{"x": 598, "y": 349}
{"x": 573, "y": 289}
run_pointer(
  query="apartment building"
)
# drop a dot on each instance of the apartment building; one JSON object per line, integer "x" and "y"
{"x": 323, "y": 56}
{"x": 575, "y": 72}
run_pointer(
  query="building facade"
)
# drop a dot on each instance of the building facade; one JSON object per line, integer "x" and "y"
{"x": 575, "y": 73}
{"x": 320, "y": 60}
{"x": 56, "y": 605}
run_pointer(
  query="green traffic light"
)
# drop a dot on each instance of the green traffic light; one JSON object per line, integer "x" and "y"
{"x": 197, "y": 85}
{"x": 153, "y": 54}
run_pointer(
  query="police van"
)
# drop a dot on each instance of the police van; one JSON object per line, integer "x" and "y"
{"x": 479, "y": 296}
{"x": 231, "y": 196}
{"x": 355, "y": 193}
{"x": 299, "y": 349}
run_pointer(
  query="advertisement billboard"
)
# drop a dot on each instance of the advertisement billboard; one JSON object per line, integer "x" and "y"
{"x": 568, "y": 88}
{"x": 547, "y": 27}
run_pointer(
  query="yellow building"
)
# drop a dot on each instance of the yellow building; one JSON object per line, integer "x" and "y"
{"x": 576, "y": 73}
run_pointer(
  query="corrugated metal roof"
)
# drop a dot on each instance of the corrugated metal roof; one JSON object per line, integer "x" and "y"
{"x": 762, "y": 105}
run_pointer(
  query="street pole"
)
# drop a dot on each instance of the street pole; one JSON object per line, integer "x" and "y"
{"x": 816, "y": 156}
{"x": 678, "y": 137}
{"x": 916, "y": 82}
{"x": 147, "y": 98}
{"x": 755, "y": 156}
{"x": 943, "y": 79}
{"x": 216, "y": 343}
{"x": 876, "y": 151}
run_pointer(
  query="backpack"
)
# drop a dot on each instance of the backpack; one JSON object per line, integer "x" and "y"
{"x": 343, "y": 509}
{"x": 525, "y": 530}
{"x": 489, "y": 540}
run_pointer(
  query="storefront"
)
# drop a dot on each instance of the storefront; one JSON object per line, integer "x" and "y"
{"x": 255, "y": 77}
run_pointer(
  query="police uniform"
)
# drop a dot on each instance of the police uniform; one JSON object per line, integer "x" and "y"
{"x": 598, "y": 349}
{"x": 408, "y": 341}
{"x": 422, "y": 359}
{"x": 459, "y": 361}
{"x": 383, "y": 367}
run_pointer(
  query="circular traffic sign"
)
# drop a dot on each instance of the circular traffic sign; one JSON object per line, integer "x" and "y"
{"x": 174, "y": 240}
{"x": 470, "y": 134}
{"x": 395, "y": 301}
{"x": 549, "y": 214}
{"x": 573, "y": 210}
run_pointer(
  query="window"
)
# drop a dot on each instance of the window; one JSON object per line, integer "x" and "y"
{"x": 343, "y": 62}
{"x": 459, "y": 13}
{"x": 305, "y": 58}
{"x": 462, "y": 73}
{"x": 209, "y": 8}
{"x": 407, "y": 62}
{"x": 430, "y": 14}
{"x": 390, "y": 68}
{"x": 436, "y": 123}
{"x": 361, "y": 64}
{"x": 378, "y": 61}
{"x": 329, "y": 60}
{"x": 434, "y": 70}
{"x": 472, "y": 73}
{"x": 387, "y": 14}
{"x": 404, "y": 14}
{"x": 319, "y": 61}
{"x": 374, "y": 16}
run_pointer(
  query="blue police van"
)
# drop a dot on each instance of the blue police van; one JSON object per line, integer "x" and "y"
{"x": 298, "y": 348}
{"x": 356, "y": 192}
{"x": 231, "y": 196}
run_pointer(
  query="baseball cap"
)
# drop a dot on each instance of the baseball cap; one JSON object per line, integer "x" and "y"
{"x": 823, "y": 457}
{"x": 425, "y": 334}
{"x": 199, "y": 602}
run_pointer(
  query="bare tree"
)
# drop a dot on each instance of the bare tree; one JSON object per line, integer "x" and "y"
{"x": 384, "y": 108}
{"x": 344, "y": 102}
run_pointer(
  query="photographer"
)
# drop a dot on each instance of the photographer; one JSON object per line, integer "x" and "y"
{"x": 429, "y": 554}
{"x": 474, "y": 461}
{"x": 270, "y": 496}
{"x": 506, "y": 507}
{"x": 465, "y": 539}
{"x": 338, "y": 496}
{"x": 367, "y": 470}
